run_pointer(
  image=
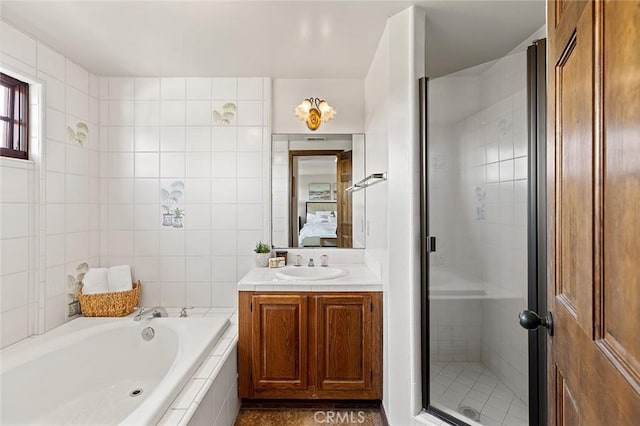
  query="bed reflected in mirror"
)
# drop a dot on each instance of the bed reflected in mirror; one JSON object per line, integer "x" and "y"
{"x": 311, "y": 206}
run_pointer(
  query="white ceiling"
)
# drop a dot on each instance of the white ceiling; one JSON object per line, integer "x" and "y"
{"x": 317, "y": 165}
{"x": 285, "y": 39}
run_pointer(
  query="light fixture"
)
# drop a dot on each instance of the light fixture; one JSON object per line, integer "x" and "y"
{"x": 314, "y": 111}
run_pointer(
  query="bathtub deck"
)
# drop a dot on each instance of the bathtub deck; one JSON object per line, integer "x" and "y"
{"x": 199, "y": 312}
{"x": 193, "y": 403}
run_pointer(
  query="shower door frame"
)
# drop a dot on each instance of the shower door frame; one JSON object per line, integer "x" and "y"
{"x": 537, "y": 226}
{"x": 536, "y": 238}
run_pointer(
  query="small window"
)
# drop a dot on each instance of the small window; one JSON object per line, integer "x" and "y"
{"x": 14, "y": 117}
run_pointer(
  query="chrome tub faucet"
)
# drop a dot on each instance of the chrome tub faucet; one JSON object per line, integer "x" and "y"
{"x": 155, "y": 312}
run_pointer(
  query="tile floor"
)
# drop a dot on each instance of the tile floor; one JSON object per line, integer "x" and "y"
{"x": 471, "y": 384}
{"x": 308, "y": 417}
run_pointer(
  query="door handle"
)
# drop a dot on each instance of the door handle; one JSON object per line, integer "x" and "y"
{"x": 431, "y": 244}
{"x": 531, "y": 321}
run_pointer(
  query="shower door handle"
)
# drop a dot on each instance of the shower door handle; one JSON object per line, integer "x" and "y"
{"x": 531, "y": 321}
{"x": 431, "y": 244}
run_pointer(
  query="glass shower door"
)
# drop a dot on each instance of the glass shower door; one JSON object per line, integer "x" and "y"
{"x": 476, "y": 197}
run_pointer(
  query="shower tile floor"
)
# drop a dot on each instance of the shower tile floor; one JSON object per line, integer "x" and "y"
{"x": 455, "y": 384}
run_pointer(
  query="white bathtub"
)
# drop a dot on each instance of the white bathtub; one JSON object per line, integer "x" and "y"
{"x": 82, "y": 373}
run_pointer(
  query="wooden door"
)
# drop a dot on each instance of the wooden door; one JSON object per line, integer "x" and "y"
{"x": 347, "y": 345}
{"x": 344, "y": 180}
{"x": 594, "y": 212}
{"x": 279, "y": 342}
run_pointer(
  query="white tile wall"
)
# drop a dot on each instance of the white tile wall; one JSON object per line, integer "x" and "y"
{"x": 100, "y": 202}
{"x": 17, "y": 232}
{"x": 59, "y": 185}
{"x": 169, "y": 132}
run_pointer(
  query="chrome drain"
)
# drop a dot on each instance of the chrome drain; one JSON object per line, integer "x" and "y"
{"x": 148, "y": 333}
{"x": 135, "y": 392}
{"x": 469, "y": 412}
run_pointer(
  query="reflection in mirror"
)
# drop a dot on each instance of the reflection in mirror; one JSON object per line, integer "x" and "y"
{"x": 309, "y": 177}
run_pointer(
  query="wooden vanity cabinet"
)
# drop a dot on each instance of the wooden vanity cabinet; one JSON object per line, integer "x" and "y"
{"x": 279, "y": 333}
{"x": 308, "y": 345}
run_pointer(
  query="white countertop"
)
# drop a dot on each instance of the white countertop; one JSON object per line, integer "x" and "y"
{"x": 359, "y": 278}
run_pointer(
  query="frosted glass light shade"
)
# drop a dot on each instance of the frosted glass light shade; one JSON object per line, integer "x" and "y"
{"x": 314, "y": 111}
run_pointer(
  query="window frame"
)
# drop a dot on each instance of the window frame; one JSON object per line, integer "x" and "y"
{"x": 18, "y": 90}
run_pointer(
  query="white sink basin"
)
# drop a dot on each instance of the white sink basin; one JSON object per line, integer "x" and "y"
{"x": 306, "y": 273}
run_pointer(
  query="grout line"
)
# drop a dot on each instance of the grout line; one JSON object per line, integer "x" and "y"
{"x": 494, "y": 387}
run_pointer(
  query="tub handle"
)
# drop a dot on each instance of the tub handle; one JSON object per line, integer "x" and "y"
{"x": 183, "y": 311}
{"x": 138, "y": 316}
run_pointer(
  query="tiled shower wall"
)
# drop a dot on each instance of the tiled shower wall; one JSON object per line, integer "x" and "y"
{"x": 49, "y": 204}
{"x": 158, "y": 131}
{"x": 492, "y": 168}
{"x": 455, "y": 330}
{"x": 480, "y": 175}
{"x": 494, "y": 142}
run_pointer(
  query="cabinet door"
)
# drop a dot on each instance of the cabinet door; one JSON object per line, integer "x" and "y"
{"x": 279, "y": 342}
{"x": 344, "y": 342}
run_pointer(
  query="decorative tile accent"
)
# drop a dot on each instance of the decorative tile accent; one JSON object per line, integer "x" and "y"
{"x": 225, "y": 114}
{"x": 73, "y": 286}
{"x": 480, "y": 205}
{"x": 171, "y": 197}
{"x": 79, "y": 135}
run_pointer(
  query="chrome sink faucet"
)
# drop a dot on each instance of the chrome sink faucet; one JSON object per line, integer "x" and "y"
{"x": 310, "y": 264}
{"x": 155, "y": 312}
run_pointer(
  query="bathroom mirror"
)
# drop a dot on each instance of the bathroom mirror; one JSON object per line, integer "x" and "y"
{"x": 310, "y": 204}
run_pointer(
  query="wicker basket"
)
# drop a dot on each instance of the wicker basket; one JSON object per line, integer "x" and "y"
{"x": 117, "y": 304}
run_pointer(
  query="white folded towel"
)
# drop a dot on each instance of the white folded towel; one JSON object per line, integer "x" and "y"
{"x": 119, "y": 278}
{"x": 95, "y": 281}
